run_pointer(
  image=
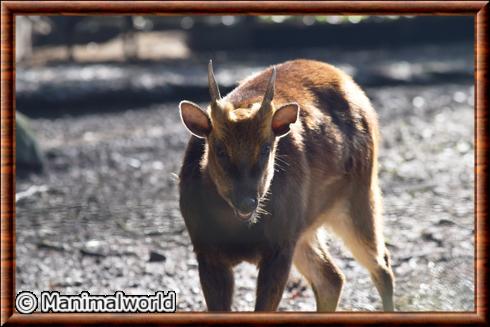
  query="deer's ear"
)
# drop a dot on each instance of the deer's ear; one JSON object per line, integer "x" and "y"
{"x": 195, "y": 119}
{"x": 283, "y": 117}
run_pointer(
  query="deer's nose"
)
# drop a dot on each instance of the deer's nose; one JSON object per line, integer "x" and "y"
{"x": 247, "y": 205}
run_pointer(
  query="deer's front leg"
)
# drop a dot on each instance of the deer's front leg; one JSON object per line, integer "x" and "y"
{"x": 217, "y": 282}
{"x": 273, "y": 275}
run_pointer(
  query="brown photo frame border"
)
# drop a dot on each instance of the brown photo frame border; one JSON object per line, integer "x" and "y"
{"x": 9, "y": 9}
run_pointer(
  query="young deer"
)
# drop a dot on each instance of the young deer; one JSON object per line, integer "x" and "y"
{"x": 270, "y": 166}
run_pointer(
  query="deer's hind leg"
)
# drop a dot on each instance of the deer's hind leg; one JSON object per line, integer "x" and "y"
{"x": 361, "y": 229}
{"x": 315, "y": 264}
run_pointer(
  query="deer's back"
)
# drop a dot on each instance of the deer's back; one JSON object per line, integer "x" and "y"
{"x": 338, "y": 134}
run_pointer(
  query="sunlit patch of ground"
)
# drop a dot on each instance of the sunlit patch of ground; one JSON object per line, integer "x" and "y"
{"x": 145, "y": 46}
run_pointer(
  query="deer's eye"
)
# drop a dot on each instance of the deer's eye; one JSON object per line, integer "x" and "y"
{"x": 220, "y": 151}
{"x": 265, "y": 150}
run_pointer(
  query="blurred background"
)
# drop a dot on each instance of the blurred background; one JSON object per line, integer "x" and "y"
{"x": 99, "y": 145}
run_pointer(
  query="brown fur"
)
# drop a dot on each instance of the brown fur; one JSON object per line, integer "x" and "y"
{"x": 323, "y": 174}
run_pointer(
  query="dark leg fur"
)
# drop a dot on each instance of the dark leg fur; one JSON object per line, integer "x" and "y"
{"x": 217, "y": 283}
{"x": 273, "y": 275}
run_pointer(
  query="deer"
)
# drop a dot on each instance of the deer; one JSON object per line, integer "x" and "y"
{"x": 287, "y": 156}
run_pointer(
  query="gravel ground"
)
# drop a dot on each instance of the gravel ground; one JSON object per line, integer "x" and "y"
{"x": 105, "y": 216}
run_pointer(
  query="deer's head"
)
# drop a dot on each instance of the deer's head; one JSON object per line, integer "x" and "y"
{"x": 240, "y": 144}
